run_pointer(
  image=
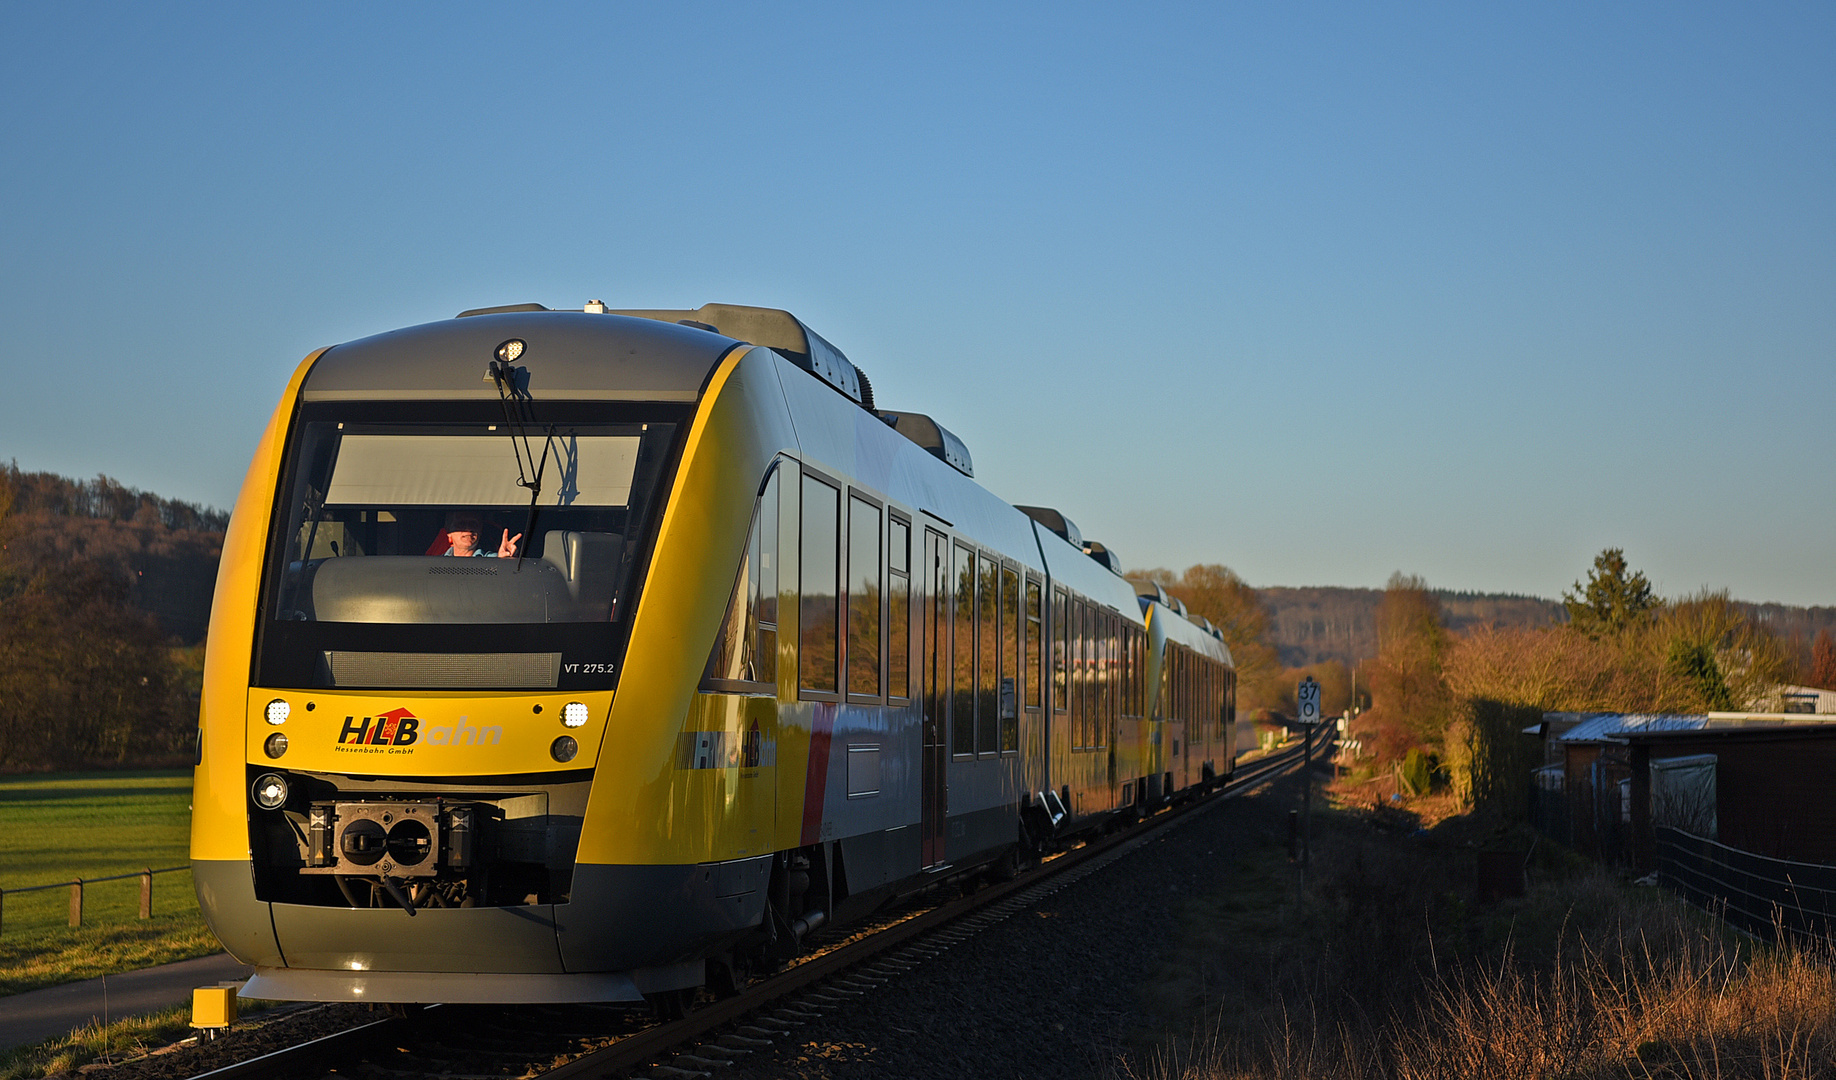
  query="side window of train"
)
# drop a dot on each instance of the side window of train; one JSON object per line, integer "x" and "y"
{"x": 1132, "y": 703}
{"x": 1210, "y": 700}
{"x": 1030, "y": 675}
{"x": 1106, "y": 675}
{"x": 934, "y": 646}
{"x": 1080, "y": 674}
{"x": 1096, "y": 679}
{"x": 819, "y": 570}
{"x": 864, "y": 600}
{"x": 1111, "y": 676}
{"x": 1198, "y": 696}
{"x": 1173, "y": 670}
{"x": 1185, "y": 686}
{"x": 962, "y": 652}
{"x": 1125, "y": 656}
{"x": 1141, "y": 669}
{"x": 1074, "y": 670}
{"x": 1193, "y": 673}
{"x": 1202, "y": 710}
{"x": 898, "y": 606}
{"x": 987, "y": 650}
{"x": 1218, "y": 679}
{"x": 1061, "y": 629}
{"x": 1092, "y": 627}
{"x": 1010, "y": 660}
{"x": 1172, "y": 688}
{"x": 1161, "y": 702}
{"x": 744, "y": 659}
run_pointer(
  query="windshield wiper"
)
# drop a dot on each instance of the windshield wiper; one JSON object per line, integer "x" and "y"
{"x": 519, "y": 416}
{"x": 312, "y": 510}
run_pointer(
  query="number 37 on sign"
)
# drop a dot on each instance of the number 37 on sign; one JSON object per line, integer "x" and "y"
{"x": 1307, "y": 696}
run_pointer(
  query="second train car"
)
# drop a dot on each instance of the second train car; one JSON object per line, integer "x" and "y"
{"x": 600, "y": 656}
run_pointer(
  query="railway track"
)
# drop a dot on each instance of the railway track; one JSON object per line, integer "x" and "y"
{"x": 577, "y": 1042}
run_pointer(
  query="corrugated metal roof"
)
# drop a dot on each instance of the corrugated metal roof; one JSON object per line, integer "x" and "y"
{"x": 1607, "y": 725}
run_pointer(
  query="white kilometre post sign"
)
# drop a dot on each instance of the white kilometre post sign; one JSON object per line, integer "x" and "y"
{"x": 1307, "y": 698}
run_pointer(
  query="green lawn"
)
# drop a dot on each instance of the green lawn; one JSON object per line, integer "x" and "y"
{"x": 61, "y": 826}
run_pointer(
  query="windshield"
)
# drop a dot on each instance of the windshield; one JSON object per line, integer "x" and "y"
{"x": 431, "y": 523}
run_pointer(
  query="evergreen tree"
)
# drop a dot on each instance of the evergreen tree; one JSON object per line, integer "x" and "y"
{"x": 1695, "y": 664}
{"x": 1612, "y": 599}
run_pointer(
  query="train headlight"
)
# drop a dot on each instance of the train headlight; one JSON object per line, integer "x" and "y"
{"x": 564, "y": 748}
{"x": 278, "y": 711}
{"x": 270, "y": 791}
{"x": 275, "y": 746}
{"x": 574, "y": 714}
{"x": 510, "y": 350}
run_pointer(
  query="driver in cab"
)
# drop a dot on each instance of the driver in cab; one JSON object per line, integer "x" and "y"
{"x": 463, "y": 528}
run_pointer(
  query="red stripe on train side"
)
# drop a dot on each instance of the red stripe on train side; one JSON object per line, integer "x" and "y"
{"x": 816, "y": 780}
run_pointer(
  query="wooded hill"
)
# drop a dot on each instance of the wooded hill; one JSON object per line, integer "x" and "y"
{"x": 1311, "y": 625}
{"x": 104, "y": 593}
{"x": 162, "y": 551}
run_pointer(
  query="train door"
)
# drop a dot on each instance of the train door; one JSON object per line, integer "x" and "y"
{"x": 934, "y": 755}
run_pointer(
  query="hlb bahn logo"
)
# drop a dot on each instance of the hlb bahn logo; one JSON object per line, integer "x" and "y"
{"x": 398, "y": 727}
{"x": 396, "y": 731}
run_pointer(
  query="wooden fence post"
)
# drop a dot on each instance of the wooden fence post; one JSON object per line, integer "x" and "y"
{"x": 76, "y": 902}
{"x": 146, "y": 893}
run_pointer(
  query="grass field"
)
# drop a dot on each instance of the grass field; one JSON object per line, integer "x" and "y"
{"x": 61, "y": 826}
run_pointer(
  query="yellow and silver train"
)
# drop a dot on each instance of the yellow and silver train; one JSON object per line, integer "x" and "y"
{"x": 601, "y": 656}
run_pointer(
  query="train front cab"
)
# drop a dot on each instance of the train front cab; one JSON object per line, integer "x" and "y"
{"x": 471, "y": 803}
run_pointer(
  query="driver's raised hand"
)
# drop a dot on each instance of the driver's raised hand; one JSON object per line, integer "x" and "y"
{"x": 508, "y": 548}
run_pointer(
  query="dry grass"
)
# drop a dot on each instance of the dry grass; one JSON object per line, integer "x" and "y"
{"x": 1382, "y": 965}
{"x": 118, "y": 1041}
{"x": 95, "y": 1044}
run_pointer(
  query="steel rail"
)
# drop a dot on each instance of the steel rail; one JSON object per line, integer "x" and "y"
{"x": 292, "y": 1057}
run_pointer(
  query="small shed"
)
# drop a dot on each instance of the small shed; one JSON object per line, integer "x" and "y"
{"x": 1554, "y": 726}
{"x": 1585, "y": 793}
{"x": 1800, "y": 701}
{"x": 1764, "y": 788}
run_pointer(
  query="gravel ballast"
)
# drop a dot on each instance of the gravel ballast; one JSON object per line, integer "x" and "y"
{"x": 1055, "y": 990}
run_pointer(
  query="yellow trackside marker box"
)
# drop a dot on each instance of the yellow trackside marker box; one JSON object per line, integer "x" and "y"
{"x": 213, "y": 1006}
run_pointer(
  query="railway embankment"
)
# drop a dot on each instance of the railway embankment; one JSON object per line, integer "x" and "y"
{"x": 1394, "y": 954}
{"x": 1210, "y": 953}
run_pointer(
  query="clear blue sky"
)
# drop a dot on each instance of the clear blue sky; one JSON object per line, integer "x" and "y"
{"x": 1319, "y": 292}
